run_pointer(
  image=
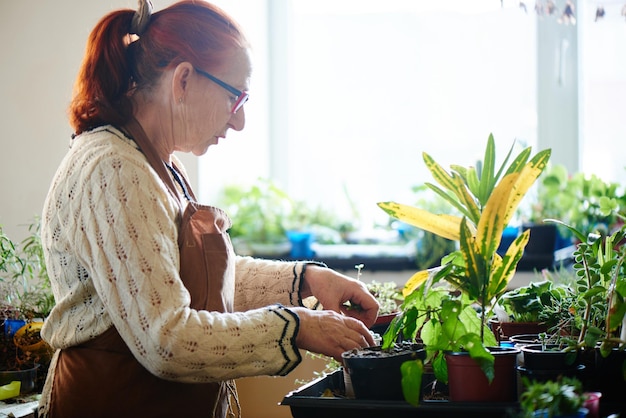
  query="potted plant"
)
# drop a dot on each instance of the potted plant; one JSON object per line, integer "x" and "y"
{"x": 563, "y": 398}
{"x": 25, "y": 301}
{"x": 374, "y": 372}
{"x": 388, "y": 296}
{"x": 599, "y": 263}
{"x": 584, "y": 202}
{"x": 486, "y": 199}
{"x": 539, "y": 307}
{"x": 258, "y": 212}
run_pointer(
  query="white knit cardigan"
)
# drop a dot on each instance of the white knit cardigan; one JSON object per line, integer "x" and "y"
{"x": 110, "y": 238}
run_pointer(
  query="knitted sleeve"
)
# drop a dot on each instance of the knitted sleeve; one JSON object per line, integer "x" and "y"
{"x": 261, "y": 282}
{"x": 110, "y": 232}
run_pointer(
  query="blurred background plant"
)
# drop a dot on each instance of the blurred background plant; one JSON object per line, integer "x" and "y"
{"x": 585, "y": 202}
{"x": 25, "y": 291}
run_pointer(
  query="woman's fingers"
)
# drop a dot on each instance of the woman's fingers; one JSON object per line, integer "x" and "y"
{"x": 330, "y": 333}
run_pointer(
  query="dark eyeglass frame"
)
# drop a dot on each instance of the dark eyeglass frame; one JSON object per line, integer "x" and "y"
{"x": 242, "y": 96}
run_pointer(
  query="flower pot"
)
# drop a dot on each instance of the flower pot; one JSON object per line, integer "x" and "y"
{"x": 375, "y": 374}
{"x": 542, "y": 365}
{"x": 12, "y": 325}
{"x": 551, "y": 358}
{"x": 539, "y": 252}
{"x": 524, "y": 339}
{"x": 468, "y": 383}
{"x": 505, "y": 330}
{"x": 609, "y": 377}
{"x": 592, "y": 404}
{"x": 544, "y": 413}
{"x": 28, "y": 339}
{"x": 26, "y": 377}
{"x": 382, "y": 323}
{"x": 301, "y": 244}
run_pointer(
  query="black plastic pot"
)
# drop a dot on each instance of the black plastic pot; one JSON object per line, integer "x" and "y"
{"x": 27, "y": 377}
{"x": 609, "y": 379}
{"x": 548, "y": 363}
{"x": 375, "y": 374}
{"x": 550, "y": 357}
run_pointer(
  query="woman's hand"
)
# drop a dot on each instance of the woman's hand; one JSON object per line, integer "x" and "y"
{"x": 330, "y": 333}
{"x": 340, "y": 293}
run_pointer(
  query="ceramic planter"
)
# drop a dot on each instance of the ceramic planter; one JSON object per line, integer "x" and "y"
{"x": 468, "y": 383}
{"x": 375, "y": 374}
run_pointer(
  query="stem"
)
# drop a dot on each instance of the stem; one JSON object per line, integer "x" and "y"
{"x": 587, "y": 314}
{"x": 611, "y": 295}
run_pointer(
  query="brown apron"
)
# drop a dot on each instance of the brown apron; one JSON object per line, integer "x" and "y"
{"x": 102, "y": 378}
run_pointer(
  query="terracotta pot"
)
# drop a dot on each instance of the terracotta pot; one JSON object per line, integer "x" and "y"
{"x": 468, "y": 383}
{"x": 375, "y": 374}
{"x": 504, "y": 330}
{"x": 382, "y": 323}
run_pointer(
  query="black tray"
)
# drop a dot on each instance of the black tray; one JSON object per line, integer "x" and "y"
{"x": 307, "y": 402}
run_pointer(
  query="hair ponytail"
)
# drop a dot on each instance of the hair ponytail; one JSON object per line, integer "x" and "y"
{"x": 100, "y": 91}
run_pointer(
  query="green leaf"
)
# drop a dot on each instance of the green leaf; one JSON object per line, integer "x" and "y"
{"x": 618, "y": 310}
{"x": 519, "y": 162}
{"x": 439, "y": 174}
{"x": 412, "y": 372}
{"x": 593, "y": 335}
{"x": 487, "y": 180}
{"x": 467, "y": 200}
{"x": 480, "y": 354}
{"x": 472, "y": 181}
{"x": 440, "y": 367}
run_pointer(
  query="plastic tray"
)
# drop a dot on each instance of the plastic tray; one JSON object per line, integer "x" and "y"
{"x": 307, "y": 402}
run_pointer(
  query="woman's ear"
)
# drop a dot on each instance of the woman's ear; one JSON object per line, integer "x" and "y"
{"x": 180, "y": 81}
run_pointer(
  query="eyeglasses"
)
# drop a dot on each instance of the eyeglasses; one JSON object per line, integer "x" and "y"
{"x": 241, "y": 96}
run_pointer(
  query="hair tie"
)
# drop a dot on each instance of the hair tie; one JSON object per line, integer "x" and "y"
{"x": 141, "y": 17}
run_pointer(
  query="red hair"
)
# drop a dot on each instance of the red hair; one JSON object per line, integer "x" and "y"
{"x": 190, "y": 30}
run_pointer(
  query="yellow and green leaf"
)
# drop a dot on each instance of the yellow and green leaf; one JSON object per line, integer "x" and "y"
{"x": 446, "y": 226}
{"x": 492, "y": 222}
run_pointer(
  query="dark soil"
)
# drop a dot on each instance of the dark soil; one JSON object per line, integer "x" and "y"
{"x": 379, "y": 352}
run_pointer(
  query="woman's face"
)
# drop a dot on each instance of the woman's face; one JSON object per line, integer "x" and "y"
{"x": 206, "y": 110}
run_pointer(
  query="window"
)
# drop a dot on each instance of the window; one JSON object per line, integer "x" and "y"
{"x": 346, "y": 95}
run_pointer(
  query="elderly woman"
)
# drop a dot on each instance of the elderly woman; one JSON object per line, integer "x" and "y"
{"x": 155, "y": 313}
